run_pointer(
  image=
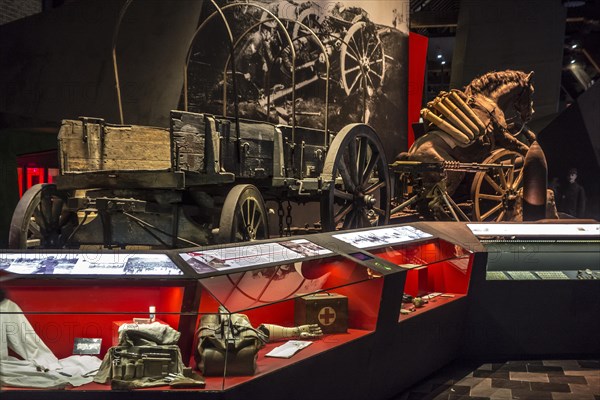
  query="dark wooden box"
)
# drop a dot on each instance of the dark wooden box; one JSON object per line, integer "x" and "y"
{"x": 328, "y": 310}
{"x": 254, "y": 159}
{"x": 188, "y": 136}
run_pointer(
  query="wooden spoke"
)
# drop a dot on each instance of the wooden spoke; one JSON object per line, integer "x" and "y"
{"x": 375, "y": 158}
{"x": 345, "y": 174}
{"x": 491, "y": 211}
{"x": 362, "y": 158}
{"x": 376, "y": 74}
{"x": 343, "y": 195}
{"x": 500, "y": 216}
{"x": 346, "y": 217}
{"x": 35, "y": 229}
{"x": 493, "y": 184}
{"x": 39, "y": 218}
{"x": 375, "y": 187}
{"x": 358, "y": 76}
{"x": 379, "y": 211}
{"x": 374, "y": 49}
{"x": 491, "y": 197}
{"x": 503, "y": 179}
{"x": 517, "y": 182}
{"x": 349, "y": 54}
{"x": 370, "y": 80}
{"x": 348, "y": 208}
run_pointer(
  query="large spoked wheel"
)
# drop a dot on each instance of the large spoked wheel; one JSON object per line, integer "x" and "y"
{"x": 244, "y": 216}
{"x": 359, "y": 193}
{"x": 41, "y": 220}
{"x": 494, "y": 192}
{"x": 362, "y": 59}
{"x": 310, "y": 18}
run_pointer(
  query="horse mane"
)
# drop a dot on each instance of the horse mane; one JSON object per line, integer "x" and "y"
{"x": 492, "y": 81}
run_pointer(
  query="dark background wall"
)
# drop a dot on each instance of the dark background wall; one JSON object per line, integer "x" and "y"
{"x": 513, "y": 34}
{"x": 11, "y": 10}
{"x": 58, "y": 65}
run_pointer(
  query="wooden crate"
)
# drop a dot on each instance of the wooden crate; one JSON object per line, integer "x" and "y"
{"x": 95, "y": 146}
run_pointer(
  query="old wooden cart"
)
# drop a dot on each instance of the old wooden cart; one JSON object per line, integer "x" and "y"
{"x": 203, "y": 180}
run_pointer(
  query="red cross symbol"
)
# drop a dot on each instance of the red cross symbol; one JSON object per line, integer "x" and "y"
{"x": 327, "y": 316}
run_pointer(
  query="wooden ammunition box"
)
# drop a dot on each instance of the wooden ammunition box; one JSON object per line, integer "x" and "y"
{"x": 91, "y": 145}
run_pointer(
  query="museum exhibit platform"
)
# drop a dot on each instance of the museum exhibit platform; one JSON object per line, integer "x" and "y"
{"x": 393, "y": 303}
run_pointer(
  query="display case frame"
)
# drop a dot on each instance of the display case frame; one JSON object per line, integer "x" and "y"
{"x": 529, "y": 284}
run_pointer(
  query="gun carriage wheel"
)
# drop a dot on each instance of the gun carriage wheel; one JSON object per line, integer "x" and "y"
{"x": 310, "y": 18}
{"x": 244, "y": 216}
{"x": 41, "y": 219}
{"x": 494, "y": 192}
{"x": 359, "y": 192}
{"x": 362, "y": 60}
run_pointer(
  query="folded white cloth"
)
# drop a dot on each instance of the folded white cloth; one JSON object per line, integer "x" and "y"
{"x": 39, "y": 367}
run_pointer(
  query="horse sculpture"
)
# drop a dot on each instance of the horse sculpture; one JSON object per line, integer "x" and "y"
{"x": 494, "y": 109}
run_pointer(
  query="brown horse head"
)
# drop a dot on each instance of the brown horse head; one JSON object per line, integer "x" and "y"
{"x": 512, "y": 91}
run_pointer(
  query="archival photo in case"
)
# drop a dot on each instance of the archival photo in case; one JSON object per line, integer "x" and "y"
{"x": 239, "y": 257}
{"x": 88, "y": 264}
{"x": 365, "y": 44}
{"x": 383, "y": 236}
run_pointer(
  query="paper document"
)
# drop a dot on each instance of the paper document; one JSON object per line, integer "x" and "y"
{"x": 288, "y": 349}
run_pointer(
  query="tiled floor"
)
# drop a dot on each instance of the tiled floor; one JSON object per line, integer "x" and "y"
{"x": 523, "y": 380}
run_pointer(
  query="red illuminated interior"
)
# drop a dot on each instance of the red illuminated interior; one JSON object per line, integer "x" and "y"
{"x": 79, "y": 310}
{"x": 363, "y": 309}
{"x": 59, "y": 314}
{"x": 434, "y": 267}
{"x": 36, "y": 168}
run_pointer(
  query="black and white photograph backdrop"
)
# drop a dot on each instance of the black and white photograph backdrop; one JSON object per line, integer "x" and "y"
{"x": 364, "y": 43}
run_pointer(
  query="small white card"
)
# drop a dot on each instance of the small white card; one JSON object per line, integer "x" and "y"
{"x": 288, "y": 349}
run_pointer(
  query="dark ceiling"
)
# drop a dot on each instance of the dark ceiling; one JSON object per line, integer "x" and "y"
{"x": 438, "y": 20}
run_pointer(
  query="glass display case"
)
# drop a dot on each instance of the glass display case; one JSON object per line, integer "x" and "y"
{"x": 237, "y": 312}
{"x": 304, "y": 307}
{"x": 538, "y": 277}
{"x": 63, "y": 311}
{"x": 550, "y": 251}
{"x": 437, "y": 271}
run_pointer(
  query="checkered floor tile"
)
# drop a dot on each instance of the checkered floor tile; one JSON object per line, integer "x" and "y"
{"x": 523, "y": 380}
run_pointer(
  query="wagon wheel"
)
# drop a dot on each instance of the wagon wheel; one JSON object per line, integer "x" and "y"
{"x": 310, "y": 18}
{"x": 359, "y": 194}
{"x": 494, "y": 192}
{"x": 244, "y": 216}
{"x": 41, "y": 220}
{"x": 362, "y": 58}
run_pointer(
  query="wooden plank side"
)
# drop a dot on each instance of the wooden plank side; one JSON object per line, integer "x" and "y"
{"x": 128, "y": 148}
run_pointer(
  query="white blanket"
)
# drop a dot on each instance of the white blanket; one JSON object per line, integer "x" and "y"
{"x": 39, "y": 367}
